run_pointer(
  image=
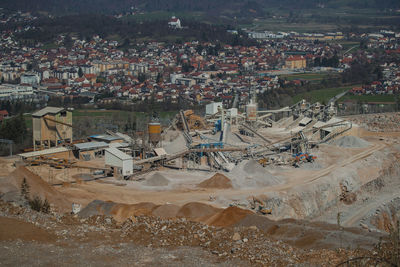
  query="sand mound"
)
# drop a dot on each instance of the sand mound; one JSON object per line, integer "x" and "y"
{"x": 250, "y": 174}
{"x": 197, "y": 211}
{"x": 157, "y": 179}
{"x": 350, "y": 141}
{"x": 218, "y": 180}
{"x": 166, "y": 211}
{"x": 38, "y": 187}
{"x": 120, "y": 212}
{"x": 228, "y": 217}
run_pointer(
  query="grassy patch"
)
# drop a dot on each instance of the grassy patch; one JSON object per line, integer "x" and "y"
{"x": 322, "y": 95}
{"x": 28, "y": 120}
{"x": 304, "y": 76}
{"x": 49, "y": 46}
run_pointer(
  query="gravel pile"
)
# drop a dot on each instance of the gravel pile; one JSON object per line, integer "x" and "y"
{"x": 177, "y": 145}
{"x": 250, "y": 174}
{"x": 156, "y": 179}
{"x": 97, "y": 207}
{"x": 350, "y": 142}
{"x": 196, "y": 211}
{"x": 218, "y": 181}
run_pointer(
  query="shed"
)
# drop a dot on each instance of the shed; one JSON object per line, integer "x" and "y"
{"x": 119, "y": 161}
{"x": 59, "y": 152}
{"x": 305, "y": 121}
{"x": 107, "y": 138}
{"x": 90, "y": 150}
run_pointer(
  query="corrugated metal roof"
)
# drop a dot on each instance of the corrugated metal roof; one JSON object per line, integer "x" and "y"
{"x": 305, "y": 121}
{"x": 47, "y": 110}
{"x": 118, "y": 153}
{"x": 334, "y": 120}
{"x": 44, "y": 152}
{"x": 116, "y": 145}
{"x": 91, "y": 145}
{"x": 297, "y": 129}
{"x": 319, "y": 124}
{"x": 160, "y": 151}
{"x": 105, "y": 137}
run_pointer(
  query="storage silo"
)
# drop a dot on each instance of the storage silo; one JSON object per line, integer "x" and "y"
{"x": 154, "y": 129}
{"x": 251, "y": 112}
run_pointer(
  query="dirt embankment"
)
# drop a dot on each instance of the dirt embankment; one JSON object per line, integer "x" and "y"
{"x": 228, "y": 217}
{"x": 37, "y": 187}
{"x": 100, "y": 237}
{"x": 300, "y": 234}
{"x": 13, "y": 229}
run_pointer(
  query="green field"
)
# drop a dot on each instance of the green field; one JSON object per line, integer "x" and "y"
{"x": 369, "y": 98}
{"x": 49, "y": 46}
{"x": 322, "y": 95}
{"x": 321, "y": 20}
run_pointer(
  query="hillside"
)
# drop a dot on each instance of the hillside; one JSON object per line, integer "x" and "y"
{"x": 213, "y": 7}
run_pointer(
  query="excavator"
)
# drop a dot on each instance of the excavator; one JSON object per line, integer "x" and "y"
{"x": 259, "y": 206}
{"x": 302, "y": 157}
{"x": 263, "y": 162}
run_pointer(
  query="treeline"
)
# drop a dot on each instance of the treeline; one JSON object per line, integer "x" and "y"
{"x": 17, "y": 107}
{"x": 149, "y": 106}
{"x": 360, "y": 72}
{"x": 85, "y": 27}
{"x": 14, "y": 129}
{"x": 210, "y": 6}
{"x": 65, "y": 101}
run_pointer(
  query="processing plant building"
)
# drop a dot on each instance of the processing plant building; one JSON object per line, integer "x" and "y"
{"x": 51, "y": 127}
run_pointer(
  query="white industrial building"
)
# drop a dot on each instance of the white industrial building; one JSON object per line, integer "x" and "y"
{"x": 213, "y": 107}
{"x": 13, "y": 91}
{"x": 30, "y": 78}
{"x": 119, "y": 161}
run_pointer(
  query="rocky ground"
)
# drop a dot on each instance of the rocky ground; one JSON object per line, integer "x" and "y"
{"x": 378, "y": 122}
{"x": 31, "y": 238}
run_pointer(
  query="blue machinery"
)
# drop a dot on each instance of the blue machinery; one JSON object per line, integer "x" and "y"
{"x": 209, "y": 145}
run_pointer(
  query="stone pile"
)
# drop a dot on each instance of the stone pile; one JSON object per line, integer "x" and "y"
{"x": 388, "y": 122}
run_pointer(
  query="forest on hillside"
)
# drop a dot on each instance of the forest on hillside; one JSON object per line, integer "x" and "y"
{"x": 256, "y": 7}
{"x": 127, "y": 31}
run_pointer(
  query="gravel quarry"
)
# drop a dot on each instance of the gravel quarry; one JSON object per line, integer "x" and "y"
{"x": 275, "y": 208}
